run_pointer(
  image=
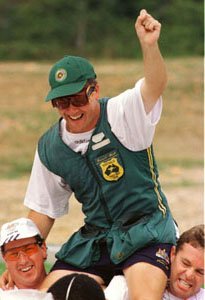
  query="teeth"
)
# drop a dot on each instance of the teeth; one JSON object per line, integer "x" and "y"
{"x": 184, "y": 283}
{"x": 76, "y": 117}
{"x": 26, "y": 269}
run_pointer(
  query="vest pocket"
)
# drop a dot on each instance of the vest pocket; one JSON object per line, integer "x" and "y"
{"x": 80, "y": 251}
{"x": 134, "y": 220}
{"x": 136, "y": 234}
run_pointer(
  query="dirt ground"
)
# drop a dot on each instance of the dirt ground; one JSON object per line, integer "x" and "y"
{"x": 183, "y": 188}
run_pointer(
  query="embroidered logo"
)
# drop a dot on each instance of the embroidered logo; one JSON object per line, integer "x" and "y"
{"x": 98, "y": 137}
{"x": 12, "y": 233}
{"x": 61, "y": 75}
{"x": 99, "y": 141}
{"x": 111, "y": 169}
{"x": 162, "y": 254}
{"x": 11, "y": 227}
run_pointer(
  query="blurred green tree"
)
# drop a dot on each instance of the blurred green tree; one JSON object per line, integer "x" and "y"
{"x": 47, "y": 29}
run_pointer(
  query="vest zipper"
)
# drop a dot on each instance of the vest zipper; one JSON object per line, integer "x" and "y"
{"x": 102, "y": 198}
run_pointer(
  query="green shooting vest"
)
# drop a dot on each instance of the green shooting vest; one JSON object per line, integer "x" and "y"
{"x": 119, "y": 190}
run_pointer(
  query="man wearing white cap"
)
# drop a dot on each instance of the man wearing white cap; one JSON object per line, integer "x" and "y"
{"x": 24, "y": 252}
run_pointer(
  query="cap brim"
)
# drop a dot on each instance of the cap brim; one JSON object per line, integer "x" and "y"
{"x": 65, "y": 90}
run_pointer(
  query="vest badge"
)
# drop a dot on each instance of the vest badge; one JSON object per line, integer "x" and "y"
{"x": 111, "y": 168}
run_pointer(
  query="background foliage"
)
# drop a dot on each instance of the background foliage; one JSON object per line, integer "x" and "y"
{"x": 47, "y": 29}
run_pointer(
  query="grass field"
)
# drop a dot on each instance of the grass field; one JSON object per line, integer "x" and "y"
{"x": 24, "y": 114}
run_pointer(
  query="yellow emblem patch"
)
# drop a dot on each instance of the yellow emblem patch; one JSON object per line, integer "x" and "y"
{"x": 111, "y": 169}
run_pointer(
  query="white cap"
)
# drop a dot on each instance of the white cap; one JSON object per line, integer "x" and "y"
{"x": 18, "y": 229}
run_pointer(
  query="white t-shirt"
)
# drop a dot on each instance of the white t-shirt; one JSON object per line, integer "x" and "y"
{"x": 199, "y": 296}
{"x": 117, "y": 290}
{"x": 24, "y": 294}
{"x": 48, "y": 194}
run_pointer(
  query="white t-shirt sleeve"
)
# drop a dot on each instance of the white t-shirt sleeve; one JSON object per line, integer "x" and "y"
{"x": 46, "y": 192}
{"x": 117, "y": 289}
{"x": 129, "y": 121}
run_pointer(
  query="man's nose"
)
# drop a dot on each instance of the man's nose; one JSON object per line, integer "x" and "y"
{"x": 190, "y": 273}
{"x": 22, "y": 255}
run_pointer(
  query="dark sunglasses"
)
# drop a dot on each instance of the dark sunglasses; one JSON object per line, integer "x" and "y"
{"x": 78, "y": 100}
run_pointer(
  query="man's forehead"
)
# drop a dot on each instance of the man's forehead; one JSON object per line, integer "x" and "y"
{"x": 19, "y": 243}
{"x": 193, "y": 255}
{"x": 190, "y": 248}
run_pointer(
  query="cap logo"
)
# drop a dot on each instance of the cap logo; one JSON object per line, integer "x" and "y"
{"x": 61, "y": 75}
{"x": 11, "y": 238}
{"x": 11, "y": 227}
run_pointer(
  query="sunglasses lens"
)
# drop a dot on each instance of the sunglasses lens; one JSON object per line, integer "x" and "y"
{"x": 13, "y": 254}
{"x": 64, "y": 102}
{"x": 61, "y": 103}
{"x": 77, "y": 100}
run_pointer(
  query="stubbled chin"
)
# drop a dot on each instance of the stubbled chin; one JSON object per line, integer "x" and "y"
{"x": 182, "y": 289}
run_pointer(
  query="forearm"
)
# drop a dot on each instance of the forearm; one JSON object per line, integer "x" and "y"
{"x": 43, "y": 222}
{"x": 155, "y": 75}
{"x": 148, "y": 30}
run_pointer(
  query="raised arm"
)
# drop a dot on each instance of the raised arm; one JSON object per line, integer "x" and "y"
{"x": 43, "y": 222}
{"x": 148, "y": 32}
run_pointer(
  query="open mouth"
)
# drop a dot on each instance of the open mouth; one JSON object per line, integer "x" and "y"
{"x": 25, "y": 269}
{"x": 184, "y": 284}
{"x": 74, "y": 118}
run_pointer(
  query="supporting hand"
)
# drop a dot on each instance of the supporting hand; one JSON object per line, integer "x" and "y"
{"x": 6, "y": 283}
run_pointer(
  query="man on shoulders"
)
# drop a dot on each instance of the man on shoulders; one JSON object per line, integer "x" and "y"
{"x": 90, "y": 151}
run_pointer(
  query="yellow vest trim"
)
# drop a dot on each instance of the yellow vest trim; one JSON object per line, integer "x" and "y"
{"x": 161, "y": 206}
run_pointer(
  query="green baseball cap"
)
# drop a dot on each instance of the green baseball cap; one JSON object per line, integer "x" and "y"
{"x": 68, "y": 76}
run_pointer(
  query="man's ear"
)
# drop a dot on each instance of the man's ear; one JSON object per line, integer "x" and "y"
{"x": 44, "y": 250}
{"x": 97, "y": 90}
{"x": 95, "y": 94}
{"x": 172, "y": 253}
